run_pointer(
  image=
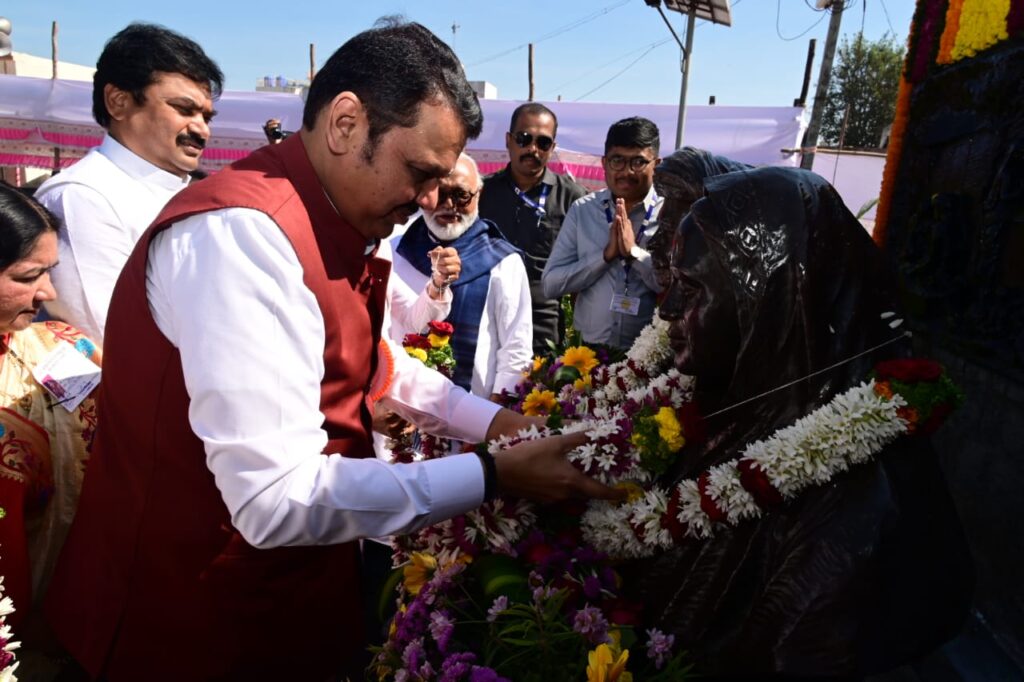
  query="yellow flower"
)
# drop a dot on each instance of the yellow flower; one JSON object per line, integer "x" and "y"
{"x": 417, "y": 353}
{"x": 538, "y": 363}
{"x": 538, "y": 402}
{"x": 669, "y": 429}
{"x": 607, "y": 664}
{"x": 418, "y": 571}
{"x": 633, "y": 491}
{"x": 582, "y": 358}
{"x": 582, "y": 384}
{"x": 437, "y": 341}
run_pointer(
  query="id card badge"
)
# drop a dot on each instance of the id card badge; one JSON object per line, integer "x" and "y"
{"x": 629, "y": 305}
{"x": 67, "y": 375}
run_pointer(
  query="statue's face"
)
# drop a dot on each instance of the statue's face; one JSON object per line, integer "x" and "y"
{"x": 701, "y": 308}
{"x": 678, "y": 197}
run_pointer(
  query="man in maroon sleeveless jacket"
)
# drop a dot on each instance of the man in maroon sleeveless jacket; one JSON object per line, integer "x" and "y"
{"x": 233, "y": 467}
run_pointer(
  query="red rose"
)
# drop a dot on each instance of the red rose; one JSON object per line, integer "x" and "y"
{"x": 440, "y": 328}
{"x": 908, "y": 370}
{"x": 755, "y": 481}
{"x": 708, "y": 505}
{"x": 417, "y": 341}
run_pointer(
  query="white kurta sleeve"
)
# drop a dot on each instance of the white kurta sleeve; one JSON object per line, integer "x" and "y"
{"x": 513, "y": 322}
{"x": 226, "y": 289}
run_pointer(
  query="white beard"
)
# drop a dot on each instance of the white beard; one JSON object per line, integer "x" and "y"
{"x": 448, "y": 233}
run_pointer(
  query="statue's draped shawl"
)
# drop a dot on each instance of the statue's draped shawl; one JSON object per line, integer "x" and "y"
{"x": 853, "y": 577}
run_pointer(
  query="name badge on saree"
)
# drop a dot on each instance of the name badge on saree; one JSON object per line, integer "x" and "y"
{"x": 67, "y": 375}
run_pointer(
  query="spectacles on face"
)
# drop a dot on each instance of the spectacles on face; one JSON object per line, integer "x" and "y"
{"x": 523, "y": 139}
{"x": 635, "y": 163}
{"x": 460, "y": 198}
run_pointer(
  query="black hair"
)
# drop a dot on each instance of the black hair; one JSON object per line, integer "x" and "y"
{"x": 535, "y": 109}
{"x": 633, "y": 132}
{"x": 131, "y": 59}
{"x": 394, "y": 68}
{"x": 22, "y": 221}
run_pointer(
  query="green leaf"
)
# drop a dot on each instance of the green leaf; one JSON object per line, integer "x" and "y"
{"x": 386, "y": 600}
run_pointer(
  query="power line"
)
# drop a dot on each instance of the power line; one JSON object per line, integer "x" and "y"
{"x": 778, "y": 30}
{"x": 556, "y": 32}
{"x": 887, "y": 20}
{"x": 651, "y": 47}
{"x": 616, "y": 60}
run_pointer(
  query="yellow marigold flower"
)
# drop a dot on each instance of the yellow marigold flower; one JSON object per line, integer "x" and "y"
{"x": 437, "y": 341}
{"x": 607, "y": 664}
{"x": 418, "y": 571}
{"x": 669, "y": 429}
{"x": 633, "y": 491}
{"x": 538, "y": 403}
{"x": 417, "y": 353}
{"x": 582, "y": 358}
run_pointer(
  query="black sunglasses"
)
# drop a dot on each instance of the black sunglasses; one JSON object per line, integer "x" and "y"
{"x": 523, "y": 139}
{"x": 460, "y": 197}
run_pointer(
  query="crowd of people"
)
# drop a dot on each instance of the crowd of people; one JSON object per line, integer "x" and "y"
{"x": 206, "y": 502}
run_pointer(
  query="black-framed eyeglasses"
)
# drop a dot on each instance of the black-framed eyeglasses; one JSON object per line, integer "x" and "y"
{"x": 460, "y": 198}
{"x": 635, "y": 163}
{"x": 523, "y": 139}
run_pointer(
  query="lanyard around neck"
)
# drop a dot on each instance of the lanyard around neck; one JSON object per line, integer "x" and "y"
{"x": 537, "y": 206}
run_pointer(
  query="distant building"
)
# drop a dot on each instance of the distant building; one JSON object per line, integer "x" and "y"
{"x": 42, "y": 67}
{"x": 282, "y": 84}
{"x": 484, "y": 90}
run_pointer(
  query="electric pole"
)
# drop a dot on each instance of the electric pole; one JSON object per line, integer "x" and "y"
{"x": 811, "y": 135}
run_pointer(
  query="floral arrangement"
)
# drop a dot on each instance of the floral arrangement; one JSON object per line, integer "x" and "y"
{"x": 489, "y": 594}
{"x": 8, "y": 665}
{"x": 435, "y": 351}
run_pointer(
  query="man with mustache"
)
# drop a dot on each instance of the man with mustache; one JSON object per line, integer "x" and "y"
{"x": 600, "y": 253}
{"x": 527, "y": 202}
{"x": 153, "y": 92}
{"x": 491, "y": 299}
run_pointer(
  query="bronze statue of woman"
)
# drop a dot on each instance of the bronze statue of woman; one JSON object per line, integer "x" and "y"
{"x": 772, "y": 280}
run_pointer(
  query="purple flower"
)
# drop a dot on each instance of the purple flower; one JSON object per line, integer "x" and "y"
{"x": 591, "y": 623}
{"x": 401, "y": 675}
{"x": 413, "y": 654}
{"x": 659, "y": 647}
{"x": 441, "y": 628}
{"x": 481, "y": 674}
{"x": 456, "y": 666}
{"x": 499, "y": 605}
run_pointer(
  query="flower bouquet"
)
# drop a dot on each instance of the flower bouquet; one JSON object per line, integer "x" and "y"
{"x": 434, "y": 350}
{"x": 8, "y": 665}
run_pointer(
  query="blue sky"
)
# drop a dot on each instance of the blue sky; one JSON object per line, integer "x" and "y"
{"x": 598, "y": 51}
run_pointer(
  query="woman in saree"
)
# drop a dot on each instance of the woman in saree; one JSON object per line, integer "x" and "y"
{"x": 43, "y": 444}
{"x": 779, "y": 300}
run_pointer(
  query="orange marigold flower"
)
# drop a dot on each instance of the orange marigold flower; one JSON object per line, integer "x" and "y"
{"x": 883, "y": 389}
{"x": 909, "y": 415}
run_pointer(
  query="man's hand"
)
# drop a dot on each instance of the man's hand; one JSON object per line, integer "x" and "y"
{"x": 627, "y": 240}
{"x": 509, "y": 423}
{"x": 389, "y": 423}
{"x": 538, "y": 470}
{"x": 447, "y": 268}
{"x": 611, "y": 250}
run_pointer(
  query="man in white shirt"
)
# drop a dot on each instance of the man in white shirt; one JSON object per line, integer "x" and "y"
{"x": 491, "y": 313}
{"x": 601, "y": 253}
{"x": 153, "y": 92}
{"x": 233, "y": 463}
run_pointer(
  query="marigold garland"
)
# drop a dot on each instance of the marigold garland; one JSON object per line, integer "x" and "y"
{"x": 982, "y": 25}
{"x": 948, "y": 40}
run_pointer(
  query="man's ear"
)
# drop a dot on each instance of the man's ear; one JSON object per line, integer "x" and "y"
{"x": 346, "y": 122}
{"x": 117, "y": 101}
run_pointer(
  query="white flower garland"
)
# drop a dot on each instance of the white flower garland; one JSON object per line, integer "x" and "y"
{"x": 851, "y": 429}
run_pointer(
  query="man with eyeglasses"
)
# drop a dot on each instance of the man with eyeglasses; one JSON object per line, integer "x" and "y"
{"x": 600, "y": 253}
{"x": 490, "y": 307}
{"x": 528, "y": 203}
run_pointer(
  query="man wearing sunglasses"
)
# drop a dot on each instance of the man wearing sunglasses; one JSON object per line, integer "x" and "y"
{"x": 528, "y": 203}
{"x": 601, "y": 251}
{"x": 490, "y": 299}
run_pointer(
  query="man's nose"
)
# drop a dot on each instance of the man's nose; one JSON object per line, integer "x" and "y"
{"x": 427, "y": 199}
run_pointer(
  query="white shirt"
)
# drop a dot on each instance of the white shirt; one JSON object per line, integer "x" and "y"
{"x": 105, "y": 202}
{"x": 577, "y": 265}
{"x": 504, "y": 347}
{"x": 226, "y": 288}
{"x": 406, "y": 308}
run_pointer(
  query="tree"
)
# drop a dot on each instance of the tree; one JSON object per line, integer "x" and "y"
{"x": 866, "y": 79}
